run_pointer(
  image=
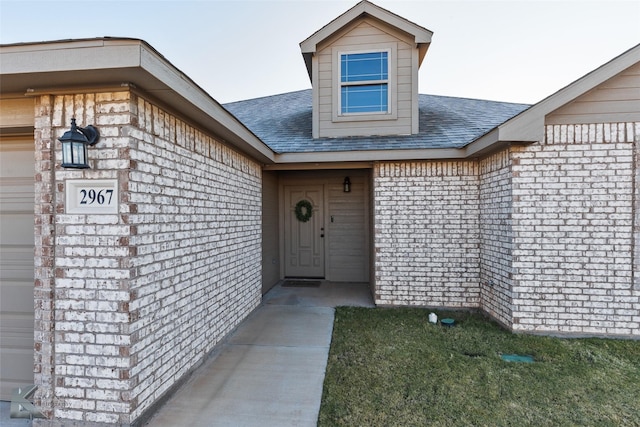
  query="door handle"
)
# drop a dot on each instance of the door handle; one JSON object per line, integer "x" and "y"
{"x": 322, "y": 232}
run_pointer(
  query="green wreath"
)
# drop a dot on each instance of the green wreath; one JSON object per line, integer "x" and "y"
{"x": 308, "y": 210}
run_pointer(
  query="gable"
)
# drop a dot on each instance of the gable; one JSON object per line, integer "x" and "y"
{"x": 615, "y": 100}
{"x": 365, "y": 31}
{"x": 420, "y": 36}
{"x": 529, "y": 125}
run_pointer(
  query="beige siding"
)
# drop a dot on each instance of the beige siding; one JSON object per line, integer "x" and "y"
{"x": 367, "y": 34}
{"x": 616, "y": 100}
{"x": 270, "y": 231}
{"x": 347, "y": 227}
{"x": 16, "y": 112}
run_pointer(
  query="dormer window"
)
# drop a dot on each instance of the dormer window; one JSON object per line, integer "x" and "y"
{"x": 363, "y": 67}
{"x": 364, "y": 82}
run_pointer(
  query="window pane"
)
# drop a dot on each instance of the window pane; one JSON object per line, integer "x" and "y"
{"x": 365, "y": 99}
{"x": 358, "y": 67}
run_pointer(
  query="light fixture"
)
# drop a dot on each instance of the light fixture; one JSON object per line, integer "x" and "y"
{"x": 346, "y": 185}
{"x": 75, "y": 143}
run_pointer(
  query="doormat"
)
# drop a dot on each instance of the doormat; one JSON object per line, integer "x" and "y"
{"x": 301, "y": 284}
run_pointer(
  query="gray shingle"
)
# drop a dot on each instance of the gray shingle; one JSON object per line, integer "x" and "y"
{"x": 283, "y": 122}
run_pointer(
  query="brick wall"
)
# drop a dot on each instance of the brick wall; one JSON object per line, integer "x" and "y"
{"x": 496, "y": 236}
{"x": 426, "y": 234}
{"x": 128, "y": 303}
{"x": 573, "y": 224}
{"x": 197, "y": 209}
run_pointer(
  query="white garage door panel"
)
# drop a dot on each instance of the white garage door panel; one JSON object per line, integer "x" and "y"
{"x": 16, "y": 269}
{"x": 13, "y": 301}
{"x": 16, "y": 264}
{"x": 13, "y": 228}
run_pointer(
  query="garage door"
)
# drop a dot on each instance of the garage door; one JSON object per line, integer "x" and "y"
{"x": 16, "y": 263}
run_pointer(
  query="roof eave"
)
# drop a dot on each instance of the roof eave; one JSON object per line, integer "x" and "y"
{"x": 421, "y": 35}
{"x": 481, "y": 147}
{"x": 528, "y": 126}
{"x": 370, "y": 155}
{"x": 91, "y": 62}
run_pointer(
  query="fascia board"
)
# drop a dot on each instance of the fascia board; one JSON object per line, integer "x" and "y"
{"x": 312, "y": 166}
{"x": 310, "y": 44}
{"x": 484, "y": 143}
{"x": 490, "y": 142}
{"x": 371, "y": 156}
{"x": 68, "y": 57}
{"x": 184, "y": 87}
{"x": 420, "y": 34}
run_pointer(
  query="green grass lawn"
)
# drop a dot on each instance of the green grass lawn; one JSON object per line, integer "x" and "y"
{"x": 390, "y": 367}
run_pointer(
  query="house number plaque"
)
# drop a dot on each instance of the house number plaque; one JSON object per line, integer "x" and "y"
{"x": 92, "y": 196}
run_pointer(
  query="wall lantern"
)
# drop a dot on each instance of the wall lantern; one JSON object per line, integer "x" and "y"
{"x": 75, "y": 144}
{"x": 346, "y": 185}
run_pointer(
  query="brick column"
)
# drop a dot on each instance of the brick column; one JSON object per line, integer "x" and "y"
{"x": 44, "y": 235}
{"x": 82, "y": 273}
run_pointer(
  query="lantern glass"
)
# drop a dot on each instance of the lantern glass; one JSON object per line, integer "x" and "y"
{"x": 346, "y": 185}
{"x": 75, "y": 145}
{"x": 74, "y": 155}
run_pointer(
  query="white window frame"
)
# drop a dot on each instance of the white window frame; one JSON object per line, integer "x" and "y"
{"x": 392, "y": 64}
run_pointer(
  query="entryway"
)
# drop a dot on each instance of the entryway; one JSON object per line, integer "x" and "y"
{"x": 323, "y": 227}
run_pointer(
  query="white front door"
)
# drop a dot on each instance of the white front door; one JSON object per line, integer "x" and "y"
{"x": 304, "y": 241}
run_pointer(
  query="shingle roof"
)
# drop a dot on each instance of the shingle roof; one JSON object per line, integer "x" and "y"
{"x": 283, "y": 122}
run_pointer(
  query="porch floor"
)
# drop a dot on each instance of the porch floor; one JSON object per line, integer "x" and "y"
{"x": 328, "y": 294}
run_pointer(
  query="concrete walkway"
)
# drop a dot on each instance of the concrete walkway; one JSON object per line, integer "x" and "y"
{"x": 271, "y": 370}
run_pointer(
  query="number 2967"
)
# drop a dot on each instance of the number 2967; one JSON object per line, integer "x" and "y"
{"x": 95, "y": 197}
